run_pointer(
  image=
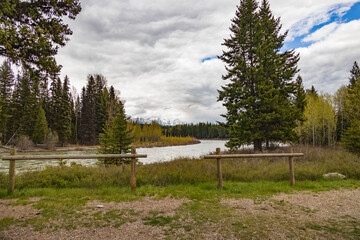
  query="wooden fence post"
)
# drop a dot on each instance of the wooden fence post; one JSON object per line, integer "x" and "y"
{"x": 12, "y": 173}
{"x": 291, "y": 167}
{"x": 133, "y": 170}
{"x": 219, "y": 172}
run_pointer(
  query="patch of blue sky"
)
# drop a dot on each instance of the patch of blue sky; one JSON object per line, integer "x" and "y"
{"x": 208, "y": 58}
{"x": 352, "y": 14}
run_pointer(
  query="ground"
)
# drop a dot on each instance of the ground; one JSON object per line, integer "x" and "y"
{"x": 304, "y": 215}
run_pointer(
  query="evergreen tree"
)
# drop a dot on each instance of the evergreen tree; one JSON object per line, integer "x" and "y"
{"x": 342, "y": 122}
{"x": 351, "y": 137}
{"x": 101, "y": 103}
{"x": 6, "y": 83}
{"x": 32, "y": 31}
{"x": 261, "y": 96}
{"x": 113, "y": 104}
{"x": 40, "y": 125}
{"x": 354, "y": 74}
{"x": 27, "y": 118}
{"x": 116, "y": 138}
{"x": 352, "y": 111}
{"x": 88, "y": 135}
{"x": 54, "y": 109}
{"x": 64, "y": 132}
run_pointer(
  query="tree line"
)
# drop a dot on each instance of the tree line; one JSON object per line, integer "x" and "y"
{"x": 333, "y": 119}
{"x": 30, "y": 107}
{"x": 200, "y": 131}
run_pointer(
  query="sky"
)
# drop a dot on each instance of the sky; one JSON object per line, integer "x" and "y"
{"x": 162, "y": 54}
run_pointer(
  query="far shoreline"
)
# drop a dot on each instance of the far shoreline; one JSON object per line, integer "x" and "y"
{"x": 95, "y": 147}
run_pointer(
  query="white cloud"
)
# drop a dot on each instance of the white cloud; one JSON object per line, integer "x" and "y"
{"x": 152, "y": 51}
{"x": 322, "y": 33}
{"x": 326, "y": 64}
{"x": 300, "y": 16}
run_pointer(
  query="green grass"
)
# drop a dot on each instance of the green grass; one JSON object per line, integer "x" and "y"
{"x": 198, "y": 191}
{"x": 315, "y": 163}
{"x": 65, "y": 191}
{"x": 66, "y": 208}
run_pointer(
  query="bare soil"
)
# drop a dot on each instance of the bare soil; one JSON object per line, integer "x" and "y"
{"x": 304, "y": 215}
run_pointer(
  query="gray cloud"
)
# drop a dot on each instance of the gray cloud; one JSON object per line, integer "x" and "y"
{"x": 152, "y": 51}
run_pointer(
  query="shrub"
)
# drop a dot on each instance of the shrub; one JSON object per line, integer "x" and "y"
{"x": 24, "y": 143}
{"x": 51, "y": 140}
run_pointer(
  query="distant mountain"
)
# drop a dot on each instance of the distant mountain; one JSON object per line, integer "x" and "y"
{"x": 159, "y": 121}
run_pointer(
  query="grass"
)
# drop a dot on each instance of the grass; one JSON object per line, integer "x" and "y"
{"x": 63, "y": 193}
{"x": 199, "y": 191}
{"x": 317, "y": 161}
{"x": 66, "y": 208}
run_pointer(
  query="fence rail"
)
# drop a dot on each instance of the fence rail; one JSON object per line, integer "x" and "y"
{"x": 220, "y": 156}
{"x": 13, "y": 157}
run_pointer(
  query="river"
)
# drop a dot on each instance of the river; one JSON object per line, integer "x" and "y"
{"x": 155, "y": 154}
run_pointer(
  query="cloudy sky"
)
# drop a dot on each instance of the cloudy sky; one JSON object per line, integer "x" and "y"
{"x": 161, "y": 54}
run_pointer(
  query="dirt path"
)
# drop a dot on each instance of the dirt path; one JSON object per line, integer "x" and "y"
{"x": 324, "y": 215}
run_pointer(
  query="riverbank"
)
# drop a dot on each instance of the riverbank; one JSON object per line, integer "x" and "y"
{"x": 94, "y": 148}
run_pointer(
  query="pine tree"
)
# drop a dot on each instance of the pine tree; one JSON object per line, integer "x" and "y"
{"x": 260, "y": 98}
{"x": 354, "y": 74}
{"x": 6, "y": 83}
{"x": 342, "y": 122}
{"x": 40, "y": 125}
{"x": 88, "y": 135}
{"x": 64, "y": 132}
{"x": 116, "y": 138}
{"x": 54, "y": 109}
{"x": 25, "y": 104}
{"x": 101, "y": 103}
{"x": 350, "y": 137}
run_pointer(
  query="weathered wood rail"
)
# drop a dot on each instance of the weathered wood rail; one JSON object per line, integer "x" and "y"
{"x": 220, "y": 156}
{"x": 13, "y": 157}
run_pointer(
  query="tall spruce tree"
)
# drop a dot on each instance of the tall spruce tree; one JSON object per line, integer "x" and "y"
{"x": 64, "y": 132}
{"x": 351, "y": 136}
{"x": 88, "y": 135}
{"x": 40, "y": 125}
{"x": 101, "y": 103}
{"x": 354, "y": 74}
{"x": 116, "y": 138}
{"x": 6, "y": 83}
{"x": 261, "y": 96}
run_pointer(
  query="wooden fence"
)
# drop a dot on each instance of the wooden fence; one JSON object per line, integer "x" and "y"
{"x": 220, "y": 156}
{"x": 12, "y": 158}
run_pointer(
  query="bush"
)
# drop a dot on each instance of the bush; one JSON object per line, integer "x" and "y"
{"x": 51, "y": 140}
{"x": 24, "y": 143}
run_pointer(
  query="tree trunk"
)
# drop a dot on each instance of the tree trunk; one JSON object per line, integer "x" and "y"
{"x": 257, "y": 145}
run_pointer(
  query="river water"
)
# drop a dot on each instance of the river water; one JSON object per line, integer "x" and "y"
{"x": 155, "y": 154}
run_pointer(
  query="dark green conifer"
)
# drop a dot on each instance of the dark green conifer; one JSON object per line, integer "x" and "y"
{"x": 260, "y": 96}
{"x": 116, "y": 138}
{"x": 64, "y": 132}
{"x": 101, "y": 103}
{"x": 6, "y": 83}
{"x": 40, "y": 125}
{"x": 88, "y": 135}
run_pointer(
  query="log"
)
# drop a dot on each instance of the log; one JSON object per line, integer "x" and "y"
{"x": 88, "y": 156}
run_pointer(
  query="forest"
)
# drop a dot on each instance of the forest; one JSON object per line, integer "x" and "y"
{"x": 34, "y": 113}
{"x": 32, "y": 110}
